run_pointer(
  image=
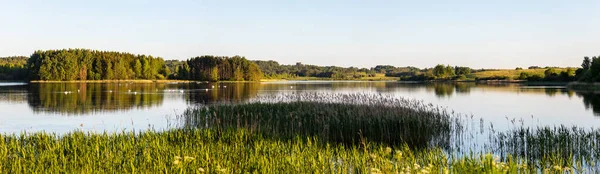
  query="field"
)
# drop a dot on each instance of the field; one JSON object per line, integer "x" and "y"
{"x": 511, "y": 73}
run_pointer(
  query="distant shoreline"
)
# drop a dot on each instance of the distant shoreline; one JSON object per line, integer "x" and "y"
{"x": 316, "y": 79}
{"x": 113, "y": 81}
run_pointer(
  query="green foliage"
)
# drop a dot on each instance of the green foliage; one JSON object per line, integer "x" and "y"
{"x": 13, "y": 68}
{"x": 83, "y": 64}
{"x": 274, "y": 70}
{"x": 233, "y": 151}
{"x": 443, "y": 72}
{"x": 590, "y": 70}
{"x": 215, "y": 68}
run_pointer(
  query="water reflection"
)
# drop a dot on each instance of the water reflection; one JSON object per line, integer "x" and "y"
{"x": 90, "y": 98}
{"x": 82, "y": 98}
{"x": 591, "y": 101}
{"x": 219, "y": 92}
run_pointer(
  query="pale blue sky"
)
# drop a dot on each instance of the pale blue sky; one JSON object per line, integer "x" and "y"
{"x": 476, "y": 33}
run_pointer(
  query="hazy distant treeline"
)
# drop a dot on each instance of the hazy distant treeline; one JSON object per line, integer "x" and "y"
{"x": 273, "y": 69}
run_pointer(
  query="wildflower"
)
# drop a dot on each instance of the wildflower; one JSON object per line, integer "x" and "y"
{"x": 398, "y": 155}
{"x": 188, "y": 158}
{"x": 176, "y": 162}
{"x": 556, "y": 167}
{"x": 416, "y": 166}
{"x": 201, "y": 170}
{"x": 388, "y": 150}
{"x": 446, "y": 171}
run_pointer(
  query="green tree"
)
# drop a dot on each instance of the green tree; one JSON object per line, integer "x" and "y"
{"x": 214, "y": 75}
{"x": 137, "y": 69}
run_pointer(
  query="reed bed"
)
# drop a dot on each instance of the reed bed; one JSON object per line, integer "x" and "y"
{"x": 230, "y": 151}
{"x": 335, "y": 118}
{"x": 566, "y": 146}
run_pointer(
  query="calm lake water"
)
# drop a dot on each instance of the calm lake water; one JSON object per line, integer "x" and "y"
{"x": 64, "y": 107}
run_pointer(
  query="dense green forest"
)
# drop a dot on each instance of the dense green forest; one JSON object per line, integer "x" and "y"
{"x": 13, "y": 68}
{"x": 84, "y": 64}
{"x": 217, "y": 68}
{"x": 590, "y": 70}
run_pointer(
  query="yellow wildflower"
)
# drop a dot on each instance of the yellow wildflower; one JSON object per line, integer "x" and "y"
{"x": 388, "y": 150}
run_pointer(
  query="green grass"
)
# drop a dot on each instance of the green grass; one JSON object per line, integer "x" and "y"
{"x": 236, "y": 151}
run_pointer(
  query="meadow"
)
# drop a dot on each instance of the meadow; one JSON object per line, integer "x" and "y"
{"x": 511, "y": 74}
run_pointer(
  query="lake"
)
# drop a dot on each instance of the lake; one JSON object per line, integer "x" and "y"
{"x": 64, "y": 107}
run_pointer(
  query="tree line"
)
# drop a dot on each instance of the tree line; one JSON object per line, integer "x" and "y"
{"x": 85, "y": 64}
{"x": 273, "y": 69}
{"x": 590, "y": 70}
{"x": 218, "y": 68}
{"x": 13, "y": 68}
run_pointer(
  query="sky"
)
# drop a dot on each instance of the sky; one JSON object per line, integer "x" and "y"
{"x": 474, "y": 33}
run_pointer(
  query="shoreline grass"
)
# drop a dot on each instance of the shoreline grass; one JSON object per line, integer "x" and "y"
{"x": 240, "y": 151}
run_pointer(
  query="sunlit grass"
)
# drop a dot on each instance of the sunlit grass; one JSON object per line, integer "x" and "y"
{"x": 511, "y": 73}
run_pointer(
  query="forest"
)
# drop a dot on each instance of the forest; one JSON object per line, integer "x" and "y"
{"x": 84, "y": 64}
{"x": 218, "y": 68}
{"x": 590, "y": 70}
{"x": 13, "y": 68}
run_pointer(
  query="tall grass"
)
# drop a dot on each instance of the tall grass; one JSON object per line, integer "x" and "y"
{"x": 338, "y": 118}
{"x": 239, "y": 151}
{"x": 566, "y": 146}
